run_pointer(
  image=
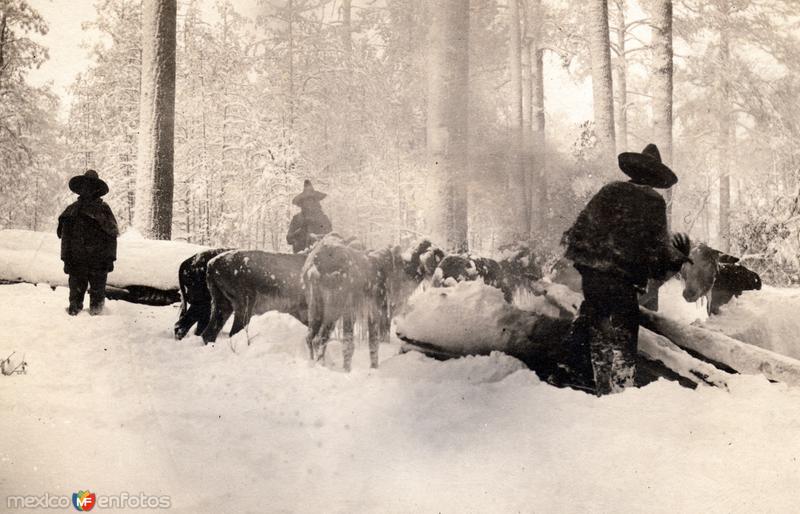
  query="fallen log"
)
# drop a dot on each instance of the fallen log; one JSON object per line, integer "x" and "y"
{"x": 35, "y": 257}
{"x": 656, "y": 347}
{"x": 473, "y": 319}
{"x": 134, "y": 294}
{"x": 738, "y": 355}
{"x": 143, "y": 295}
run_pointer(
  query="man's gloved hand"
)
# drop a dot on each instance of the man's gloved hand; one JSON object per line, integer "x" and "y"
{"x": 682, "y": 243}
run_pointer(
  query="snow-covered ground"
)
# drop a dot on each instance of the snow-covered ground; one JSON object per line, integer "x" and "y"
{"x": 113, "y": 404}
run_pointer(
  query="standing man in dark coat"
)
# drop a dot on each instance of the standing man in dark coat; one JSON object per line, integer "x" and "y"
{"x": 619, "y": 240}
{"x": 88, "y": 232}
{"x": 310, "y": 223}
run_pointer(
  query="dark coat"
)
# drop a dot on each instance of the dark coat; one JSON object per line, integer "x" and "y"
{"x": 88, "y": 232}
{"x": 623, "y": 231}
{"x": 305, "y": 223}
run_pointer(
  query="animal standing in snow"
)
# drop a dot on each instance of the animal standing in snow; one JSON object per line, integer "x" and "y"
{"x": 710, "y": 273}
{"x": 618, "y": 242}
{"x": 88, "y": 232}
{"x": 310, "y": 223}
{"x": 717, "y": 276}
{"x": 342, "y": 281}
{"x": 517, "y": 268}
{"x": 195, "y": 298}
{"x": 249, "y": 282}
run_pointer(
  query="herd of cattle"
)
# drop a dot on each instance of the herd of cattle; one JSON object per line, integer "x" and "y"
{"x": 339, "y": 280}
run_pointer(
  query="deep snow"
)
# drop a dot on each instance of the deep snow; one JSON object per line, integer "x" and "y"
{"x": 114, "y": 404}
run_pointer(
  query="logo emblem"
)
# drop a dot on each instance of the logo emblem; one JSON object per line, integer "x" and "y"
{"x": 83, "y": 500}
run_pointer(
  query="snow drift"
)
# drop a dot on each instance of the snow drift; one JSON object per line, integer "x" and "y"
{"x": 113, "y": 403}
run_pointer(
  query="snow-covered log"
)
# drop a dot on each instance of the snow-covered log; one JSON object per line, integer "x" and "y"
{"x": 473, "y": 319}
{"x": 146, "y": 271}
{"x": 656, "y": 347}
{"x": 740, "y": 356}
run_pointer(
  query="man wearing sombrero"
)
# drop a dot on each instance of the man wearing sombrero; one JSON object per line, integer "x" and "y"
{"x": 618, "y": 242}
{"x": 88, "y": 232}
{"x": 310, "y": 222}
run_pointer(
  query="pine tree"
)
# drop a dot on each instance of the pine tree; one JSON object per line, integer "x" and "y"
{"x": 448, "y": 76}
{"x": 154, "y": 176}
{"x": 661, "y": 42}
{"x": 602, "y": 91}
{"x": 29, "y": 148}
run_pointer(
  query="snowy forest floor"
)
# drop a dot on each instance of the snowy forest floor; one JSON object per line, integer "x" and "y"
{"x": 114, "y": 404}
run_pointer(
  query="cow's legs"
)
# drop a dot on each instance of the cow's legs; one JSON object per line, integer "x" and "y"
{"x": 202, "y": 314}
{"x": 243, "y": 311}
{"x": 219, "y": 315}
{"x": 315, "y": 313}
{"x": 221, "y": 310}
{"x": 196, "y": 313}
{"x": 348, "y": 347}
{"x": 374, "y": 330}
{"x": 314, "y": 324}
{"x": 180, "y": 326}
{"x": 320, "y": 343}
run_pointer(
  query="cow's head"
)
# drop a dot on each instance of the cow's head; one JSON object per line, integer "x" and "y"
{"x": 422, "y": 261}
{"x": 737, "y": 278}
{"x": 399, "y": 273}
{"x": 519, "y": 261}
{"x": 563, "y": 272}
{"x": 699, "y": 274}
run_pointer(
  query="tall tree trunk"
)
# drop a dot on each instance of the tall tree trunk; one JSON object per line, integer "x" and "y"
{"x": 347, "y": 30}
{"x": 538, "y": 191}
{"x": 621, "y": 84}
{"x": 290, "y": 58}
{"x": 3, "y": 41}
{"x": 447, "y": 121}
{"x": 602, "y": 90}
{"x": 661, "y": 41}
{"x": 526, "y": 131}
{"x": 517, "y": 176}
{"x": 724, "y": 142}
{"x": 154, "y": 174}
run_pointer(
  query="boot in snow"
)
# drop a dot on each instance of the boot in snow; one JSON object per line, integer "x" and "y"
{"x": 96, "y": 308}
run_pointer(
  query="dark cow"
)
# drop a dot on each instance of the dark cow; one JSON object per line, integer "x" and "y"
{"x": 249, "y": 282}
{"x": 342, "y": 281}
{"x": 195, "y": 298}
{"x": 711, "y": 273}
{"x": 717, "y": 276}
{"x": 732, "y": 280}
{"x": 516, "y": 268}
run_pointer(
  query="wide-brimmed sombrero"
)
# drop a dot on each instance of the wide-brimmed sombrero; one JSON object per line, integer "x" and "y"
{"x": 87, "y": 184}
{"x": 646, "y": 168}
{"x": 309, "y": 193}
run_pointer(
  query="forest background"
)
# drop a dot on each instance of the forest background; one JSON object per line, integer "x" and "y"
{"x": 269, "y": 93}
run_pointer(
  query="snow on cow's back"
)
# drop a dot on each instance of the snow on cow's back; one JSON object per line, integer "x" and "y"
{"x": 767, "y": 318}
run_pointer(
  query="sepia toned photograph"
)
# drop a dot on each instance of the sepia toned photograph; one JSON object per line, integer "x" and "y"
{"x": 399, "y": 256}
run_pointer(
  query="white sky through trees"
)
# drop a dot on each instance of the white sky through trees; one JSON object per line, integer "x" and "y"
{"x": 70, "y": 47}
